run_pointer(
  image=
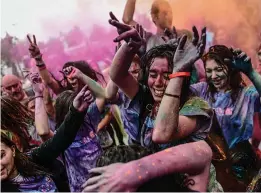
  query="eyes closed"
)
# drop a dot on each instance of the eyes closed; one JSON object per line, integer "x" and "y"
{"x": 154, "y": 74}
{"x": 219, "y": 69}
{"x": 12, "y": 86}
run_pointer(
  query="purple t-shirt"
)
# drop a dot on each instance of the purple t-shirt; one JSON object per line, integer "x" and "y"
{"x": 81, "y": 156}
{"x": 235, "y": 119}
{"x": 129, "y": 117}
{"x": 38, "y": 184}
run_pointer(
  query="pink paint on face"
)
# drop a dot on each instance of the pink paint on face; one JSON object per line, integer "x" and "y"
{"x": 158, "y": 78}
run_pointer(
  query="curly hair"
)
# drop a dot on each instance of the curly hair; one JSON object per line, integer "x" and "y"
{"x": 219, "y": 53}
{"x": 16, "y": 118}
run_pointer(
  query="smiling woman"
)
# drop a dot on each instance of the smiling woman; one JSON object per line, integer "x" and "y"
{"x": 235, "y": 106}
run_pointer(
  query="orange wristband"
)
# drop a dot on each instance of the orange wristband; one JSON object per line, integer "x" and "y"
{"x": 178, "y": 74}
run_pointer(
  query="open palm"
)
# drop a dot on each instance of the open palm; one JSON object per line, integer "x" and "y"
{"x": 188, "y": 53}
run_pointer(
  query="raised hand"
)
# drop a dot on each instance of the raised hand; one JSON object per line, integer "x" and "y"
{"x": 241, "y": 61}
{"x": 188, "y": 53}
{"x": 171, "y": 35}
{"x": 83, "y": 99}
{"x": 34, "y": 49}
{"x": 111, "y": 178}
{"x": 72, "y": 72}
{"x": 37, "y": 84}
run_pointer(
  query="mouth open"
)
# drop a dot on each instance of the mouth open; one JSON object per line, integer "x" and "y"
{"x": 158, "y": 93}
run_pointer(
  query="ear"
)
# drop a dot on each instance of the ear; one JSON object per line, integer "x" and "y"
{"x": 154, "y": 18}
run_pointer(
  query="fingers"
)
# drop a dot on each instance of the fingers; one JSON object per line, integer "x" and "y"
{"x": 182, "y": 42}
{"x": 125, "y": 35}
{"x": 81, "y": 93}
{"x": 195, "y": 36}
{"x": 34, "y": 40}
{"x": 92, "y": 181}
{"x": 113, "y": 16}
{"x": 29, "y": 39}
{"x": 174, "y": 31}
{"x": 133, "y": 43}
{"x": 99, "y": 170}
{"x": 119, "y": 25}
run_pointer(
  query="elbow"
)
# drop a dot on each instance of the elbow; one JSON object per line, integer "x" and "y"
{"x": 115, "y": 78}
{"x": 161, "y": 136}
{"x": 43, "y": 133}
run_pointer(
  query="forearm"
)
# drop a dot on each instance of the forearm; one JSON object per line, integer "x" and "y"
{"x": 129, "y": 12}
{"x": 111, "y": 91}
{"x": 48, "y": 103}
{"x": 255, "y": 78}
{"x": 121, "y": 63}
{"x": 166, "y": 123}
{"x": 41, "y": 119}
{"x": 190, "y": 158}
{"x": 97, "y": 90}
{"x": 48, "y": 79}
{"x": 63, "y": 138}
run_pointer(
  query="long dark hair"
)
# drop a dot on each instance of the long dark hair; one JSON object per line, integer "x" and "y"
{"x": 86, "y": 69}
{"x": 62, "y": 105}
{"x": 24, "y": 165}
{"x": 16, "y": 118}
{"x": 164, "y": 51}
{"x": 219, "y": 53}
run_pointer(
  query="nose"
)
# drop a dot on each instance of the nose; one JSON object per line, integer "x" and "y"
{"x": 13, "y": 89}
{"x": 159, "y": 81}
{"x": 213, "y": 75}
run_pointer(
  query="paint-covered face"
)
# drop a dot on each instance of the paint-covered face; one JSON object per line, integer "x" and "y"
{"x": 164, "y": 17}
{"x": 7, "y": 162}
{"x": 217, "y": 75}
{"x": 76, "y": 84}
{"x": 135, "y": 70}
{"x": 14, "y": 89}
{"x": 158, "y": 78}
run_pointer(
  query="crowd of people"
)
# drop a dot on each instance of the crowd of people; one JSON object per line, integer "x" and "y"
{"x": 154, "y": 126}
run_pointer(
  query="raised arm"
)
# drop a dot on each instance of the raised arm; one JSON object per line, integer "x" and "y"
{"x": 129, "y": 12}
{"x": 122, "y": 60}
{"x": 44, "y": 73}
{"x": 191, "y": 158}
{"x": 243, "y": 63}
{"x": 67, "y": 131}
{"x": 169, "y": 125}
{"x": 41, "y": 117}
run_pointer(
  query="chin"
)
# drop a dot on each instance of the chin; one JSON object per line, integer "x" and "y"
{"x": 4, "y": 176}
{"x": 157, "y": 99}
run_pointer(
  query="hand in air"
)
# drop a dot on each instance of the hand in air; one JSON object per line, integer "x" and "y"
{"x": 83, "y": 99}
{"x": 188, "y": 53}
{"x": 171, "y": 36}
{"x": 134, "y": 36}
{"x": 72, "y": 72}
{"x": 111, "y": 178}
{"x": 37, "y": 84}
{"x": 241, "y": 61}
{"x": 34, "y": 49}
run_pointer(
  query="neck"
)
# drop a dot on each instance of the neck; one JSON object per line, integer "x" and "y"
{"x": 13, "y": 173}
{"x": 160, "y": 31}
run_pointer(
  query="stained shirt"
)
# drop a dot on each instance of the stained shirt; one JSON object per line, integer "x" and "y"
{"x": 193, "y": 107}
{"x": 38, "y": 184}
{"x": 235, "y": 119}
{"x": 81, "y": 156}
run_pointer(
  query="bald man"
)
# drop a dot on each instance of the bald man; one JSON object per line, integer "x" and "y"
{"x": 12, "y": 86}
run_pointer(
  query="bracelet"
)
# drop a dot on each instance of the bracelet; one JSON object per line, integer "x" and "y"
{"x": 39, "y": 96}
{"x": 41, "y": 67}
{"x": 38, "y": 57}
{"x": 172, "y": 95}
{"x": 178, "y": 74}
